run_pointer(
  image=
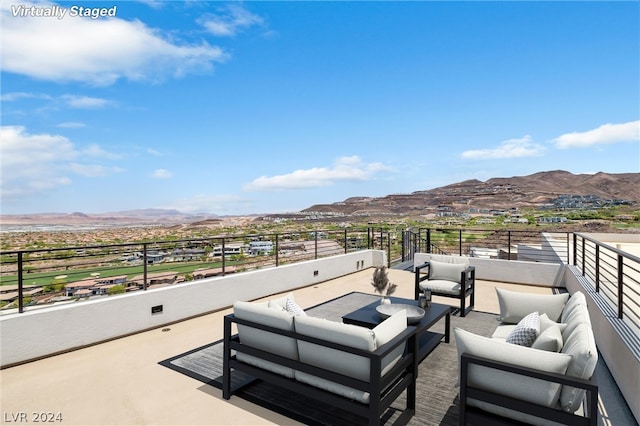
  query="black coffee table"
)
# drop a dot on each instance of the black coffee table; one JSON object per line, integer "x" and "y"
{"x": 367, "y": 316}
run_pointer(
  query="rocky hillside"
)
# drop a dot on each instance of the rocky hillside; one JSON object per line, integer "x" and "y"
{"x": 536, "y": 191}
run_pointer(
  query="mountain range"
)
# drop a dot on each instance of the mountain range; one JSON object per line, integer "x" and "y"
{"x": 534, "y": 191}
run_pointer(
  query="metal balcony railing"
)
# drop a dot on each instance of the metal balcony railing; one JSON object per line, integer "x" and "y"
{"x": 41, "y": 276}
{"x": 615, "y": 275}
{"x": 489, "y": 243}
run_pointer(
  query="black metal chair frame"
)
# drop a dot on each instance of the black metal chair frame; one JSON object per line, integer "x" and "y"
{"x": 467, "y": 286}
{"x": 383, "y": 390}
{"x": 474, "y": 416}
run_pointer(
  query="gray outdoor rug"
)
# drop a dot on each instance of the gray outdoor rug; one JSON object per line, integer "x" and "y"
{"x": 437, "y": 401}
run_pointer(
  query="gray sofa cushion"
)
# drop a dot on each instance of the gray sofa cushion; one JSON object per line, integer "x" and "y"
{"x": 576, "y": 299}
{"x": 350, "y": 365}
{"x": 274, "y": 316}
{"x": 581, "y": 345}
{"x": 516, "y": 305}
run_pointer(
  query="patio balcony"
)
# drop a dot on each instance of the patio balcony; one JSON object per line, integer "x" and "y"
{"x": 96, "y": 362}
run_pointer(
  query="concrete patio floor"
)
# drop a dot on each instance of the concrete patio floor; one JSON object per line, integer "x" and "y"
{"x": 121, "y": 383}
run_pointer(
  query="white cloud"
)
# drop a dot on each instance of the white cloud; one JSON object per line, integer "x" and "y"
{"x": 93, "y": 170}
{"x": 96, "y": 51}
{"x": 218, "y": 204}
{"x": 15, "y": 96}
{"x": 605, "y": 134}
{"x": 512, "y": 148}
{"x": 37, "y": 163}
{"x": 85, "y": 102}
{"x": 344, "y": 169}
{"x": 230, "y": 21}
{"x": 71, "y": 125}
{"x": 161, "y": 174}
{"x": 96, "y": 151}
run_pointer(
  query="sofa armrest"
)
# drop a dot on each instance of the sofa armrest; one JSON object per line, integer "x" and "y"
{"x": 420, "y": 276}
{"x": 548, "y": 413}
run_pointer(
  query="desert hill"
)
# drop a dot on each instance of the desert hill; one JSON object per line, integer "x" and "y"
{"x": 535, "y": 191}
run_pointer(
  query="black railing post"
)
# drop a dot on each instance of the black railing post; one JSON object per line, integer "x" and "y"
{"x": 568, "y": 254}
{"x": 582, "y": 260}
{"x": 316, "y": 244}
{"x": 224, "y": 256}
{"x": 428, "y": 240}
{"x": 345, "y": 241}
{"x": 277, "y": 252}
{"x": 620, "y": 286}
{"x": 144, "y": 267}
{"x": 405, "y": 235}
{"x": 460, "y": 242}
{"x": 20, "y": 285}
{"x": 388, "y": 250}
{"x": 508, "y": 245}
{"x": 598, "y": 268}
{"x": 575, "y": 249}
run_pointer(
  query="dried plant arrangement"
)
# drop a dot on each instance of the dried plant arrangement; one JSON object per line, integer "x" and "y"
{"x": 381, "y": 283}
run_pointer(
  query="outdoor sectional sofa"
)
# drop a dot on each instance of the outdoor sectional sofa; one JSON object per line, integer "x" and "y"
{"x": 354, "y": 368}
{"x": 545, "y": 378}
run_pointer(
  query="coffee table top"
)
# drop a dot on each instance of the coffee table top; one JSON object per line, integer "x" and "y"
{"x": 367, "y": 316}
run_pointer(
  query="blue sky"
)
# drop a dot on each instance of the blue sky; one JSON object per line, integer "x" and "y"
{"x": 257, "y": 107}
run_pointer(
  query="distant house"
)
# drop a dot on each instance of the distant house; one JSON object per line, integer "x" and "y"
{"x": 199, "y": 274}
{"x": 258, "y": 248}
{"x": 230, "y": 249}
{"x": 168, "y": 277}
{"x": 93, "y": 286}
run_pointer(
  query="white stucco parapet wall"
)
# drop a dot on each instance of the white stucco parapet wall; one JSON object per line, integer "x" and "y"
{"x": 41, "y": 332}
{"x": 511, "y": 271}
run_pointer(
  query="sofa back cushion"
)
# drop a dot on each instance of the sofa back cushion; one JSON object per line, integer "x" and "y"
{"x": 575, "y": 301}
{"x": 515, "y": 305}
{"x": 581, "y": 345}
{"x": 579, "y": 314}
{"x": 272, "y": 315}
{"x": 446, "y": 271}
{"x": 525, "y": 388}
{"x": 340, "y": 362}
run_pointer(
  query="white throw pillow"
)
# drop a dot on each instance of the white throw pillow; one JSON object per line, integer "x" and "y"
{"x": 545, "y": 323}
{"x": 549, "y": 340}
{"x": 282, "y": 301}
{"x": 526, "y": 331}
{"x": 294, "y": 309}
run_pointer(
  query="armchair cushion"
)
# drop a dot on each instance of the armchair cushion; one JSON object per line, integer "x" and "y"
{"x": 442, "y": 286}
{"x": 515, "y": 305}
{"x": 446, "y": 271}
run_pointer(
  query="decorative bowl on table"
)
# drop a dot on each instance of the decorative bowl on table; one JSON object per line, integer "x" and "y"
{"x": 414, "y": 313}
